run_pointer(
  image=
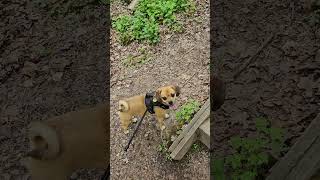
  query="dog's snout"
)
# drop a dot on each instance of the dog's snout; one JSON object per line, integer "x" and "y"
{"x": 170, "y": 102}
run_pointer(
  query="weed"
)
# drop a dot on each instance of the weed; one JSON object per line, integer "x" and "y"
{"x": 163, "y": 149}
{"x": 134, "y": 61}
{"x": 146, "y": 20}
{"x": 195, "y": 147}
{"x": 250, "y": 153}
{"x": 186, "y": 112}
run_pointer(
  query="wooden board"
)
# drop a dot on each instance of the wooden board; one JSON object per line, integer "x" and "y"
{"x": 303, "y": 159}
{"x": 189, "y": 135}
{"x": 190, "y": 125}
{"x": 204, "y": 132}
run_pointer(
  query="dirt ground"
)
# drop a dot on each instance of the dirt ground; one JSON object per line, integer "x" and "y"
{"x": 282, "y": 84}
{"x": 49, "y": 65}
{"x": 174, "y": 60}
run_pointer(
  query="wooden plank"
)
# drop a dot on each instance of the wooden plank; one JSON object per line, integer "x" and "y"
{"x": 303, "y": 159}
{"x": 133, "y": 4}
{"x": 204, "y": 132}
{"x": 309, "y": 164}
{"x": 183, "y": 147}
{"x": 184, "y": 144}
{"x": 190, "y": 125}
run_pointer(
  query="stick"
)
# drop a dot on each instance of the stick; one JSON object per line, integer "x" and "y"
{"x": 253, "y": 57}
{"x": 135, "y": 131}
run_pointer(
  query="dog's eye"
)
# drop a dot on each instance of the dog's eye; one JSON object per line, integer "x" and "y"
{"x": 164, "y": 98}
{"x": 172, "y": 95}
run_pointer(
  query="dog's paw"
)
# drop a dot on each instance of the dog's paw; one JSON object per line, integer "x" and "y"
{"x": 126, "y": 132}
{"x": 134, "y": 119}
{"x": 166, "y": 116}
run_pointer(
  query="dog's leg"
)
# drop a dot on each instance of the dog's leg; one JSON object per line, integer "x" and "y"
{"x": 125, "y": 121}
{"x": 160, "y": 115}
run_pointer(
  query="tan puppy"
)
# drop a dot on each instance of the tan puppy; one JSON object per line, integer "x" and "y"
{"x": 163, "y": 98}
{"x": 66, "y": 143}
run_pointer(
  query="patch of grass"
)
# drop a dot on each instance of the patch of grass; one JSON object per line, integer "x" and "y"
{"x": 195, "y": 147}
{"x": 186, "y": 112}
{"x": 149, "y": 15}
{"x": 134, "y": 61}
{"x": 250, "y": 155}
{"x": 164, "y": 150}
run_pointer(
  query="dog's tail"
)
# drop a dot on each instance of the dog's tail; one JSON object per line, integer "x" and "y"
{"x": 123, "y": 106}
{"x": 44, "y": 141}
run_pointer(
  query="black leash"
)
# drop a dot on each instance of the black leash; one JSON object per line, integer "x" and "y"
{"x": 135, "y": 131}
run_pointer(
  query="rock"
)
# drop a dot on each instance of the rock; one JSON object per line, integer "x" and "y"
{"x": 290, "y": 48}
{"x": 126, "y": 160}
{"x": 57, "y": 76}
{"x": 74, "y": 176}
{"x": 236, "y": 47}
{"x": 29, "y": 69}
{"x": 28, "y": 83}
{"x": 306, "y": 84}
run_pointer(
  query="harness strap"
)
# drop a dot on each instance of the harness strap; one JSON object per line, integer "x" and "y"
{"x": 150, "y": 103}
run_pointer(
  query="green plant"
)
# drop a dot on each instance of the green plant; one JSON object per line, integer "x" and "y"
{"x": 134, "y": 61}
{"x": 186, "y": 112}
{"x": 146, "y": 20}
{"x": 163, "y": 149}
{"x": 195, "y": 147}
{"x": 251, "y": 153}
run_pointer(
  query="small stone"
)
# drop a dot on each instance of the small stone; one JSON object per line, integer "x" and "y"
{"x": 28, "y": 83}
{"x": 126, "y": 160}
{"x": 74, "y": 176}
{"x": 29, "y": 68}
{"x": 57, "y": 76}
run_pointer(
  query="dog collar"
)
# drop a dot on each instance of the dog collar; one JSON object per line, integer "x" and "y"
{"x": 150, "y": 102}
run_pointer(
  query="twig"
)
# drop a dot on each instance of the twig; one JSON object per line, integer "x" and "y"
{"x": 254, "y": 56}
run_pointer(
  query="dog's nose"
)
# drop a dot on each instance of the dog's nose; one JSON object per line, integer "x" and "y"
{"x": 170, "y": 102}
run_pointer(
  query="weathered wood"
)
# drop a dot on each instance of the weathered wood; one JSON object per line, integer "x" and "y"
{"x": 204, "y": 132}
{"x": 183, "y": 147}
{"x": 133, "y": 4}
{"x": 303, "y": 159}
{"x": 190, "y": 125}
{"x": 189, "y": 138}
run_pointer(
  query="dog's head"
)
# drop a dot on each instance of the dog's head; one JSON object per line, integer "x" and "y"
{"x": 167, "y": 95}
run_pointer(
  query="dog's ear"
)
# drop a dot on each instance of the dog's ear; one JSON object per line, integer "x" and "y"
{"x": 177, "y": 90}
{"x": 158, "y": 95}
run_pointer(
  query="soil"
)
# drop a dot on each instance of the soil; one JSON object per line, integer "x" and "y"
{"x": 282, "y": 84}
{"x": 173, "y": 61}
{"x": 50, "y": 63}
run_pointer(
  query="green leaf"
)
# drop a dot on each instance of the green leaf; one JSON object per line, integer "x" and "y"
{"x": 276, "y": 134}
{"x": 234, "y": 160}
{"x": 248, "y": 175}
{"x": 218, "y": 169}
{"x": 262, "y": 158}
{"x": 236, "y": 142}
{"x": 261, "y": 124}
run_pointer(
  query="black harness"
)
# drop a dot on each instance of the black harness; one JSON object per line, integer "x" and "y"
{"x": 151, "y": 102}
